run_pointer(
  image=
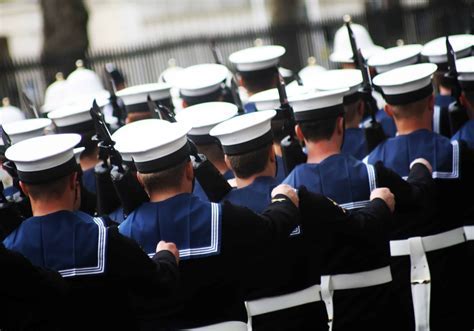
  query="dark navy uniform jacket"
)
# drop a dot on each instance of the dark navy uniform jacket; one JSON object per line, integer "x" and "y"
{"x": 103, "y": 268}
{"x": 216, "y": 244}
{"x": 355, "y": 143}
{"x": 385, "y": 121}
{"x": 453, "y": 165}
{"x": 466, "y": 133}
{"x": 268, "y": 278}
{"x": 441, "y": 121}
{"x": 88, "y": 180}
{"x": 361, "y": 245}
{"x": 250, "y": 107}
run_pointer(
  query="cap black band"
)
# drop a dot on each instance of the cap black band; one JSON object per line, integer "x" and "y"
{"x": 467, "y": 85}
{"x": 204, "y": 139}
{"x": 197, "y": 99}
{"x": 47, "y": 175}
{"x": 164, "y": 162}
{"x": 319, "y": 114}
{"x": 350, "y": 98}
{"x": 249, "y": 146}
{"x": 83, "y": 127}
{"x": 406, "y": 98}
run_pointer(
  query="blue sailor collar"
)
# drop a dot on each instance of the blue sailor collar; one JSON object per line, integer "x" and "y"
{"x": 72, "y": 243}
{"x": 192, "y": 224}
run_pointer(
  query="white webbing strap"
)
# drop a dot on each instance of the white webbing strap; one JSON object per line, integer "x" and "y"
{"x": 469, "y": 232}
{"x": 224, "y": 326}
{"x": 420, "y": 279}
{"x": 331, "y": 283}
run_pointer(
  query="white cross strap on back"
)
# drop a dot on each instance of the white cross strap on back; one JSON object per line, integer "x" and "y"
{"x": 331, "y": 283}
{"x": 420, "y": 277}
{"x": 271, "y": 304}
{"x": 224, "y": 326}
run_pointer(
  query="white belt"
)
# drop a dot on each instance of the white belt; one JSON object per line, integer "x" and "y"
{"x": 469, "y": 232}
{"x": 224, "y": 326}
{"x": 332, "y": 283}
{"x": 420, "y": 277}
{"x": 285, "y": 301}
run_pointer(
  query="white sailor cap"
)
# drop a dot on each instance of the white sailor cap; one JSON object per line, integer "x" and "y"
{"x": 9, "y": 114}
{"x": 201, "y": 79}
{"x": 83, "y": 81}
{"x": 73, "y": 118}
{"x": 203, "y": 117}
{"x": 257, "y": 58}
{"x": 342, "y": 46}
{"x": 127, "y": 132}
{"x": 170, "y": 75}
{"x": 56, "y": 95}
{"x": 407, "y": 84}
{"x": 436, "y": 51}
{"x": 45, "y": 158}
{"x": 77, "y": 153}
{"x": 135, "y": 97}
{"x": 340, "y": 79}
{"x": 245, "y": 133}
{"x": 155, "y": 147}
{"x": 26, "y": 129}
{"x": 310, "y": 73}
{"x": 465, "y": 69}
{"x": 318, "y": 105}
{"x": 395, "y": 57}
{"x": 270, "y": 99}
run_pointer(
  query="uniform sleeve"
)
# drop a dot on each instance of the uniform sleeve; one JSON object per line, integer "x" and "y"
{"x": 248, "y": 232}
{"x": 410, "y": 193}
{"x": 319, "y": 212}
{"x": 129, "y": 264}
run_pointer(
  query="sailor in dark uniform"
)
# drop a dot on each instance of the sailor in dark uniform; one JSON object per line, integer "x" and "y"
{"x": 215, "y": 241}
{"x": 104, "y": 270}
{"x": 350, "y": 183}
{"x": 202, "y": 118}
{"x": 32, "y": 298}
{"x": 254, "y": 165}
{"x": 435, "y": 242}
{"x": 435, "y": 52}
{"x": 202, "y": 83}
{"x": 256, "y": 72}
{"x": 135, "y": 99}
{"x": 465, "y": 68}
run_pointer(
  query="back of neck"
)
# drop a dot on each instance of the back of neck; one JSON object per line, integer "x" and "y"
{"x": 321, "y": 150}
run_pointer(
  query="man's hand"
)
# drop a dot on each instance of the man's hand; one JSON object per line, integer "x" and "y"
{"x": 425, "y": 162}
{"x": 384, "y": 194}
{"x": 165, "y": 246}
{"x": 288, "y": 191}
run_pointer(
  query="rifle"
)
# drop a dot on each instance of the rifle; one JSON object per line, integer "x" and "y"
{"x": 9, "y": 214}
{"x": 234, "y": 87}
{"x": 290, "y": 147}
{"x": 373, "y": 131}
{"x": 212, "y": 182}
{"x": 457, "y": 113}
{"x": 116, "y": 178}
{"x": 30, "y": 105}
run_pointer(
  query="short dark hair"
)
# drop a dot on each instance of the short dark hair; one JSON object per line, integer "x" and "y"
{"x": 258, "y": 80}
{"x": 318, "y": 130}
{"x": 51, "y": 190}
{"x": 251, "y": 163}
{"x": 164, "y": 180}
{"x": 350, "y": 110}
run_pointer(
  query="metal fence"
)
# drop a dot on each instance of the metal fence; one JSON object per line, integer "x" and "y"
{"x": 143, "y": 63}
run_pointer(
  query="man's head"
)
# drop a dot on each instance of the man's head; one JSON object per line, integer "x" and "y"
{"x": 329, "y": 129}
{"x": 256, "y": 67}
{"x": 47, "y": 170}
{"x": 202, "y": 83}
{"x": 247, "y": 143}
{"x": 465, "y": 68}
{"x": 418, "y": 110}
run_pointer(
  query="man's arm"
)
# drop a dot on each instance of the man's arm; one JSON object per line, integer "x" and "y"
{"x": 131, "y": 265}
{"x": 410, "y": 193}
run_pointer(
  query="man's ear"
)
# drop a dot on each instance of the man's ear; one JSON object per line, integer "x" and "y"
{"x": 73, "y": 181}
{"x": 361, "y": 109}
{"x": 340, "y": 125}
{"x": 24, "y": 188}
{"x": 272, "y": 155}
{"x": 388, "y": 110}
{"x": 227, "y": 162}
{"x": 184, "y": 103}
{"x": 431, "y": 102}
{"x": 140, "y": 179}
{"x": 189, "y": 171}
{"x": 299, "y": 132}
